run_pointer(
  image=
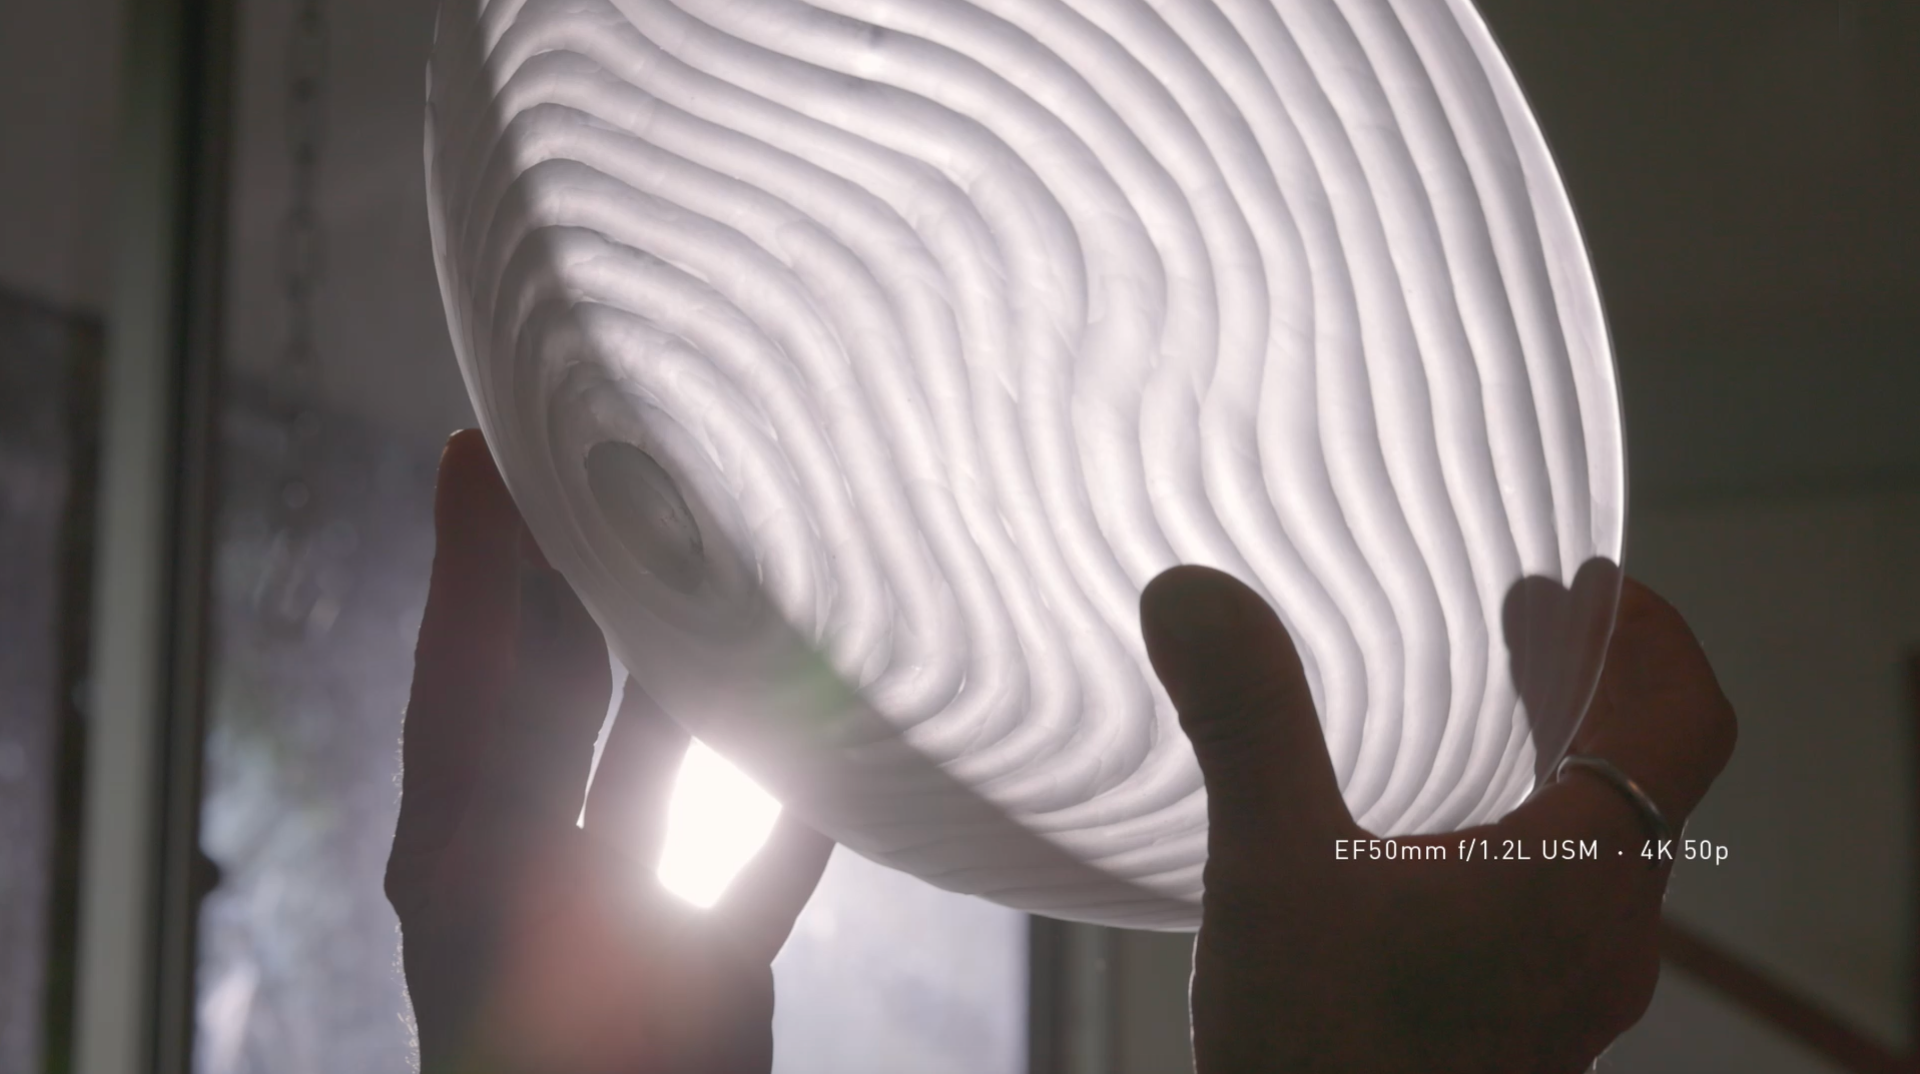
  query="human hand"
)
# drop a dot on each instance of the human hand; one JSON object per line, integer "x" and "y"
{"x": 533, "y": 945}
{"x": 1305, "y": 963}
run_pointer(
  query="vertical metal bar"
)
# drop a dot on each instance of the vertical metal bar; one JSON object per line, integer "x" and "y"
{"x": 1071, "y": 999}
{"x": 184, "y": 873}
{"x": 125, "y": 707}
{"x": 1046, "y": 967}
{"x": 1090, "y": 967}
{"x": 140, "y": 840}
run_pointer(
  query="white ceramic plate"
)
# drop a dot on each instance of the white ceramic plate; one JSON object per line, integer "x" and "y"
{"x": 860, "y": 361}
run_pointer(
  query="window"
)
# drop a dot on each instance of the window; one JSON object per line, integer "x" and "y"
{"x": 328, "y": 442}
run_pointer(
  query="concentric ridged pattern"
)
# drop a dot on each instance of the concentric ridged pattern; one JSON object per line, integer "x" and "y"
{"x": 941, "y": 326}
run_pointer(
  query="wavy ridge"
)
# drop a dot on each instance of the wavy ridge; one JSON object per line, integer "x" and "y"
{"x": 936, "y": 328}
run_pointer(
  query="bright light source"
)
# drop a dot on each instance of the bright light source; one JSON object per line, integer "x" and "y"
{"x": 717, "y": 820}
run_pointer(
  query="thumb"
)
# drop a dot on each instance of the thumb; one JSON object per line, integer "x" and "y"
{"x": 1233, "y": 675}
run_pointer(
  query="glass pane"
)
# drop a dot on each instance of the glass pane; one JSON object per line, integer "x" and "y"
{"x": 313, "y": 654}
{"x": 885, "y": 974}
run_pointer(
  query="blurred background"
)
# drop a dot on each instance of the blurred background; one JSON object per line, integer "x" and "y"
{"x": 206, "y": 615}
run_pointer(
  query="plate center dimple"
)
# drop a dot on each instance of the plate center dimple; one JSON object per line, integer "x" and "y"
{"x": 643, "y": 505}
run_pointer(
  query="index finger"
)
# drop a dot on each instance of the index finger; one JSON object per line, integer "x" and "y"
{"x": 465, "y": 654}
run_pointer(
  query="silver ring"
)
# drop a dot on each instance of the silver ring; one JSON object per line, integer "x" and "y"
{"x": 1606, "y": 770}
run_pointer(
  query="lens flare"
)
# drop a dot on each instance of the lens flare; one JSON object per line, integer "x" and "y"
{"x": 717, "y": 820}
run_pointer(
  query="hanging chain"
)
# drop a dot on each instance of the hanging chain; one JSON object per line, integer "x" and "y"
{"x": 289, "y": 592}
